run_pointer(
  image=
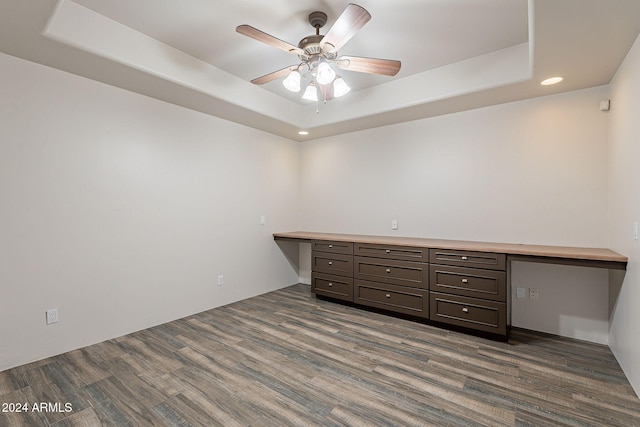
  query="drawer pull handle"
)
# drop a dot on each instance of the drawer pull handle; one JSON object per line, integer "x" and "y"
{"x": 465, "y": 310}
{"x": 330, "y": 284}
{"x": 388, "y": 270}
{"x": 464, "y": 258}
{"x": 465, "y": 280}
{"x": 330, "y": 262}
{"x": 388, "y": 295}
{"x": 330, "y": 246}
{"x": 388, "y": 251}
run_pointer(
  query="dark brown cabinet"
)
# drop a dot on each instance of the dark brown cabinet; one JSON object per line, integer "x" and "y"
{"x": 332, "y": 286}
{"x": 453, "y": 282}
{"x": 336, "y": 264}
{"x": 484, "y": 260}
{"x": 332, "y": 269}
{"x": 400, "y": 299}
{"x": 332, "y": 247}
{"x": 406, "y": 253}
{"x": 403, "y": 273}
{"x": 469, "y": 282}
{"x": 461, "y": 288}
{"x": 384, "y": 279}
{"x": 469, "y": 289}
{"x": 472, "y": 313}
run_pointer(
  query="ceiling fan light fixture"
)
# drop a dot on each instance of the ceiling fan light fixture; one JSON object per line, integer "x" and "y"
{"x": 311, "y": 94}
{"x": 318, "y": 55}
{"x": 340, "y": 87}
{"x": 292, "y": 82}
{"x": 325, "y": 74}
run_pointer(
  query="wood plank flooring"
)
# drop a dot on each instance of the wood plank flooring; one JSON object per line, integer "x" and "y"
{"x": 285, "y": 358}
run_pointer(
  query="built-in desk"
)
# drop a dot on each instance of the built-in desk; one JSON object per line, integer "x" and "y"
{"x": 454, "y": 282}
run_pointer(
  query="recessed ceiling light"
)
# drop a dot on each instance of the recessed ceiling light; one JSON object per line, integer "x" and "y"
{"x": 551, "y": 81}
{"x": 303, "y": 132}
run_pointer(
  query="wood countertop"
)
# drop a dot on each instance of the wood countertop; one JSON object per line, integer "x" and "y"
{"x": 591, "y": 257}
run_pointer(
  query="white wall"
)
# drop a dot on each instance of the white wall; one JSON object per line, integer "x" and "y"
{"x": 121, "y": 211}
{"x": 624, "y": 210}
{"x": 526, "y": 172}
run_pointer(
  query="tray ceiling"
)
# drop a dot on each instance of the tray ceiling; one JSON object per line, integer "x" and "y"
{"x": 456, "y": 54}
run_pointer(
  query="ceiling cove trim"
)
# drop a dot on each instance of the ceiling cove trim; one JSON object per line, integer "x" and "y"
{"x": 82, "y": 28}
{"x": 493, "y": 70}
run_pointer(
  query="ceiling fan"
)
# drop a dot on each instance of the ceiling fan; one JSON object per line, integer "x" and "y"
{"x": 317, "y": 53}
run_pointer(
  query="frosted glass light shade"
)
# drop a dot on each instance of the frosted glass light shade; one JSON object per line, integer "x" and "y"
{"x": 340, "y": 87}
{"x": 292, "y": 82}
{"x": 310, "y": 94}
{"x": 326, "y": 74}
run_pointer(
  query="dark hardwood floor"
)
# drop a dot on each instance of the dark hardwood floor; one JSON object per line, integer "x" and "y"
{"x": 285, "y": 358}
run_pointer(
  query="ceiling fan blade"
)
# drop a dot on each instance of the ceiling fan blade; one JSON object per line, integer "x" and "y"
{"x": 263, "y": 37}
{"x": 386, "y": 67}
{"x": 352, "y": 19}
{"x": 273, "y": 76}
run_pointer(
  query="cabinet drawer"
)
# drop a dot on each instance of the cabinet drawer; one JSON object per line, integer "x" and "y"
{"x": 338, "y": 264}
{"x": 404, "y": 273}
{"x": 481, "y": 315}
{"x": 332, "y": 246}
{"x": 486, "y": 260}
{"x": 470, "y": 282}
{"x": 407, "y": 253}
{"x": 332, "y": 286}
{"x": 395, "y": 298}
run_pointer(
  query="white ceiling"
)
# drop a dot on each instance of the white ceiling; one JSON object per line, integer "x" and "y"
{"x": 419, "y": 36}
{"x": 456, "y": 54}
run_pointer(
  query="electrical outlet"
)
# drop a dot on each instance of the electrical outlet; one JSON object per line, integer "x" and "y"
{"x": 394, "y": 224}
{"x": 521, "y": 292}
{"x": 220, "y": 280}
{"x": 263, "y": 220}
{"x": 52, "y": 316}
{"x": 533, "y": 293}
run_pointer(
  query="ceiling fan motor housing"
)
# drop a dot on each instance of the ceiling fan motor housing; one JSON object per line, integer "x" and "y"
{"x": 311, "y": 47}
